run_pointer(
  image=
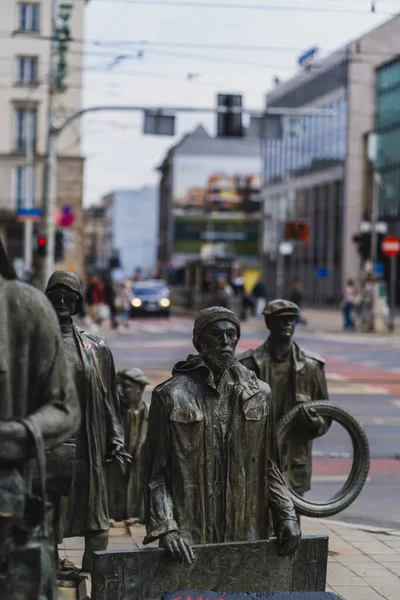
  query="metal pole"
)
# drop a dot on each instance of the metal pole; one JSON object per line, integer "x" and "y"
{"x": 374, "y": 220}
{"x": 393, "y": 285}
{"x": 50, "y": 193}
{"x": 29, "y": 193}
{"x": 51, "y": 197}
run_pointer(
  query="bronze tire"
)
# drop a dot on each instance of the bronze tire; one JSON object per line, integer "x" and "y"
{"x": 359, "y": 470}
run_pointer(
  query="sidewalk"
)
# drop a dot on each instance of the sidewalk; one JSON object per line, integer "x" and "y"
{"x": 363, "y": 564}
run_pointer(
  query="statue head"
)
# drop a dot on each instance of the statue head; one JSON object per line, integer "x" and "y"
{"x": 216, "y": 333}
{"x": 64, "y": 292}
{"x": 131, "y": 385}
{"x": 280, "y": 318}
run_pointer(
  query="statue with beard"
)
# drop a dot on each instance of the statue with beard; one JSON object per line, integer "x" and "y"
{"x": 212, "y": 465}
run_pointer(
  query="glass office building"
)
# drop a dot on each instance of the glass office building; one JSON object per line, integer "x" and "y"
{"x": 387, "y": 119}
{"x": 304, "y": 180}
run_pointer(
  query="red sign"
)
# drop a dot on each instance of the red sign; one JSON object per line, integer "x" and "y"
{"x": 391, "y": 246}
{"x": 297, "y": 230}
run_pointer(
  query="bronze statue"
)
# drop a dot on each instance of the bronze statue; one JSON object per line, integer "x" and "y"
{"x": 212, "y": 466}
{"x": 296, "y": 377}
{"x": 100, "y": 437}
{"x": 125, "y": 490}
{"x": 36, "y": 392}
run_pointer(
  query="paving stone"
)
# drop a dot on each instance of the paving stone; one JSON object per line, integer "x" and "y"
{"x": 384, "y": 558}
{"x": 374, "y": 547}
{"x": 390, "y": 593}
{"x": 357, "y": 593}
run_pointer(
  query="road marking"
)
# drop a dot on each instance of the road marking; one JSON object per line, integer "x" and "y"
{"x": 332, "y": 479}
{"x": 396, "y": 403}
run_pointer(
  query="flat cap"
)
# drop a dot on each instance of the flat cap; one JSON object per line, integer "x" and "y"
{"x": 210, "y": 315}
{"x": 281, "y": 308}
{"x": 135, "y": 374}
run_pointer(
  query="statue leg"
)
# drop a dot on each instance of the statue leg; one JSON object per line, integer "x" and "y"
{"x": 94, "y": 541}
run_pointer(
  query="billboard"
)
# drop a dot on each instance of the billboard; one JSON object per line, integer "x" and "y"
{"x": 204, "y": 184}
{"x": 241, "y": 235}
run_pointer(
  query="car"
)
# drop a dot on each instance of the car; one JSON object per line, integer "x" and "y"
{"x": 151, "y": 297}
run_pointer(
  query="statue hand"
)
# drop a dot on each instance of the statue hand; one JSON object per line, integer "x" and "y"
{"x": 178, "y": 547}
{"x": 288, "y": 534}
{"x": 116, "y": 453}
{"x": 308, "y": 416}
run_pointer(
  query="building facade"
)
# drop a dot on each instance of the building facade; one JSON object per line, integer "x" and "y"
{"x": 131, "y": 230}
{"x": 210, "y": 194}
{"x": 316, "y": 170}
{"x": 24, "y": 105}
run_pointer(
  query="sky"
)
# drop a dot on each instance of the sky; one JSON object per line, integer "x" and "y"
{"x": 160, "y": 53}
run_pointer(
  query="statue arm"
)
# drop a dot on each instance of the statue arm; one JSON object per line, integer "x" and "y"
{"x": 114, "y": 427}
{"x": 159, "y": 510}
{"x": 280, "y": 502}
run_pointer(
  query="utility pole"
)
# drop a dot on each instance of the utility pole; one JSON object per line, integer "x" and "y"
{"x": 29, "y": 191}
{"x": 50, "y": 195}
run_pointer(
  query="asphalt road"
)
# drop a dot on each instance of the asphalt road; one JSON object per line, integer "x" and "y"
{"x": 364, "y": 378}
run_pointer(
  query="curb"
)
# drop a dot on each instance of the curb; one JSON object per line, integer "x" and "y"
{"x": 358, "y": 526}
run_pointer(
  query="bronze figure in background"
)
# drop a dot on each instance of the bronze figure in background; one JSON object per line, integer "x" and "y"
{"x": 212, "y": 466}
{"x": 100, "y": 437}
{"x": 296, "y": 377}
{"x": 125, "y": 483}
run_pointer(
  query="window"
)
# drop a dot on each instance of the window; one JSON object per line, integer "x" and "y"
{"x": 25, "y": 123}
{"x": 27, "y": 69}
{"x": 28, "y": 17}
{"x": 20, "y": 182}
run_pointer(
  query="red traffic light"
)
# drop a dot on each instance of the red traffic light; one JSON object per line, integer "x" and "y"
{"x": 42, "y": 241}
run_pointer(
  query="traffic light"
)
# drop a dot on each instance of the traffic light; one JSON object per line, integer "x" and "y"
{"x": 41, "y": 245}
{"x": 59, "y": 247}
{"x": 364, "y": 245}
{"x": 229, "y": 124}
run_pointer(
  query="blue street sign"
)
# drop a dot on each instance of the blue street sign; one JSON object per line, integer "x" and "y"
{"x": 378, "y": 268}
{"x": 29, "y": 214}
{"x": 322, "y": 273}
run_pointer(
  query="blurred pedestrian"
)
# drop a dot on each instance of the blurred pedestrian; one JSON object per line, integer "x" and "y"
{"x": 224, "y": 296}
{"x": 109, "y": 299}
{"x": 125, "y": 300}
{"x": 297, "y": 296}
{"x": 259, "y": 295}
{"x": 366, "y": 304}
{"x": 94, "y": 297}
{"x": 348, "y": 305}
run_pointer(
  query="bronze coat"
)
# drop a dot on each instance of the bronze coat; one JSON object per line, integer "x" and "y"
{"x": 180, "y": 456}
{"x": 103, "y": 420}
{"x": 308, "y": 384}
{"x": 34, "y": 376}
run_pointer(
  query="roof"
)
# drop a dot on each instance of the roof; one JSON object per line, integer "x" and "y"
{"x": 327, "y": 63}
{"x": 200, "y": 142}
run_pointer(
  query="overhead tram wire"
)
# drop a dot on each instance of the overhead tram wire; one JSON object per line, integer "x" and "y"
{"x": 261, "y": 7}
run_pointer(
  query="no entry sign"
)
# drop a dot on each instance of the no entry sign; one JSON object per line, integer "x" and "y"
{"x": 391, "y": 246}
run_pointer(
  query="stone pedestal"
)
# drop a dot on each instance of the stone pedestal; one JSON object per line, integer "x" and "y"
{"x": 146, "y": 574}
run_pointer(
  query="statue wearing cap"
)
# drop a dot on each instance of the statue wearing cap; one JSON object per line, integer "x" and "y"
{"x": 85, "y": 511}
{"x": 212, "y": 469}
{"x": 296, "y": 377}
{"x": 125, "y": 490}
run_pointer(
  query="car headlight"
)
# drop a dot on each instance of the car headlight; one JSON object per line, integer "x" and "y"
{"x": 165, "y": 302}
{"x": 136, "y": 302}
